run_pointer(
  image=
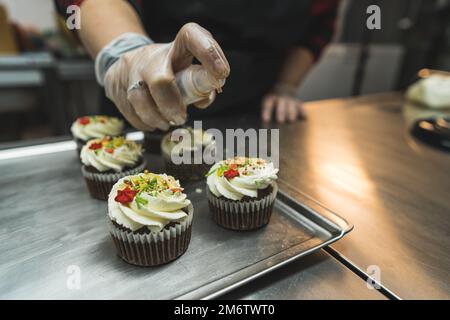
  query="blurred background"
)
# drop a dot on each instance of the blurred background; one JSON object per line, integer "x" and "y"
{"x": 47, "y": 80}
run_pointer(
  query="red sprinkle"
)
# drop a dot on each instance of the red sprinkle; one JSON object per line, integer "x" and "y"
{"x": 84, "y": 121}
{"x": 230, "y": 174}
{"x": 126, "y": 195}
{"x": 95, "y": 146}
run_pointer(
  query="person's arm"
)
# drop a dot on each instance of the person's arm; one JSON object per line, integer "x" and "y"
{"x": 139, "y": 75}
{"x": 282, "y": 102}
{"x": 105, "y": 20}
{"x": 296, "y": 66}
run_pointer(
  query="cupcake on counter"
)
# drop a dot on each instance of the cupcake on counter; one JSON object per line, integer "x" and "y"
{"x": 107, "y": 160}
{"x": 151, "y": 219}
{"x": 199, "y": 141}
{"x": 95, "y": 127}
{"x": 241, "y": 192}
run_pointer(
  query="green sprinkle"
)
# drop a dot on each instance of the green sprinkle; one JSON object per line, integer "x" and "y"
{"x": 210, "y": 172}
{"x": 153, "y": 184}
{"x": 259, "y": 183}
{"x": 221, "y": 170}
{"x": 140, "y": 201}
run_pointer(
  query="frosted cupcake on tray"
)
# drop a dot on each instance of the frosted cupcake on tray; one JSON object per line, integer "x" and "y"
{"x": 107, "y": 160}
{"x": 241, "y": 192}
{"x": 151, "y": 219}
{"x": 95, "y": 127}
{"x": 189, "y": 144}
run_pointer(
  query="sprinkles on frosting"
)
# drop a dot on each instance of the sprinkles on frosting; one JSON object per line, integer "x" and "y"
{"x": 237, "y": 166}
{"x": 109, "y": 144}
{"x": 93, "y": 119}
{"x": 149, "y": 183}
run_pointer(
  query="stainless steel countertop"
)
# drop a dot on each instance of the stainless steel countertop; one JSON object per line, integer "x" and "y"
{"x": 356, "y": 157}
{"x": 317, "y": 276}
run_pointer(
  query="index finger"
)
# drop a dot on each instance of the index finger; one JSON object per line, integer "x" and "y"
{"x": 193, "y": 40}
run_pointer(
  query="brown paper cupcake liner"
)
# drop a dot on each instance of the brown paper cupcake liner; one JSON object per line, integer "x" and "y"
{"x": 242, "y": 215}
{"x": 100, "y": 184}
{"x": 153, "y": 248}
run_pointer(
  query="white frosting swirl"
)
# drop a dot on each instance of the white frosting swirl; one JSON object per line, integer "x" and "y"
{"x": 90, "y": 127}
{"x": 111, "y": 154}
{"x": 238, "y": 177}
{"x": 186, "y": 139}
{"x": 158, "y": 200}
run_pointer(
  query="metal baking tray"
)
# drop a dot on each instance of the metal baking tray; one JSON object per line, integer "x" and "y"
{"x": 52, "y": 231}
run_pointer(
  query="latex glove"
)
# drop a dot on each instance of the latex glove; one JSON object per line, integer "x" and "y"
{"x": 160, "y": 104}
{"x": 283, "y": 106}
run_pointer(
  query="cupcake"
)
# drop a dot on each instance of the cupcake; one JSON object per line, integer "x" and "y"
{"x": 107, "y": 160}
{"x": 241, "y": 192}
{"x": 151, "y": 219}
{"x": 95, "y": 127}
{"x": 190, "y": 150}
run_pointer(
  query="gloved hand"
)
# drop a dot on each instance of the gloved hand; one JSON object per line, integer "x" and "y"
{"x": 283, "y": 105}
{"x": 159, "y": 103}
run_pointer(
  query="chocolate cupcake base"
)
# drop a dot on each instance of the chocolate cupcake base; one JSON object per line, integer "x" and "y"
{"x": 150, "y": 249}
{"x": 186, "y": 172}
{"x": 192, "y": 171}
{"x": 100, "y": 184}
{"x": 242, "y": 215}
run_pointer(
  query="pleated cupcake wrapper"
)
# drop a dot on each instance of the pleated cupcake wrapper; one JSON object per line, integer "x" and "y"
{"x": 245, "y": 215}
{"x": 100, "y": 184}
{"x": 153, "y": 248}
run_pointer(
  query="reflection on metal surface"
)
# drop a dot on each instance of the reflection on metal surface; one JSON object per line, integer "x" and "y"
{"x": 54, "y": 147}
{"x": 343, "y": 167}
{"x": 136, "y": 135}
{"x": 348, "y": 177}
{"x": 37, "y": 150}
{"x": 352, "y": 156}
